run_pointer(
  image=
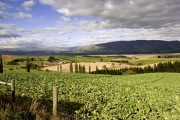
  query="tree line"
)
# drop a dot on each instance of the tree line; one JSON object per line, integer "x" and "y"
{"x": 77, "y": 68}
{"x": 160, "y": 67}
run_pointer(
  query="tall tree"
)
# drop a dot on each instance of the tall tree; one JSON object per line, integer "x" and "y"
{"x": 89, "y": 69}
{"x": 84, "y": 69}
{"x": 1, "y": 64}
{"x": 60, "y": 68}
{"x": 71, "y": 67}
{"x": 28, "y": 67}
{"x": 76, "y": 68}
{"x": 80, "y": 68}
{"x": 96, "y": 68}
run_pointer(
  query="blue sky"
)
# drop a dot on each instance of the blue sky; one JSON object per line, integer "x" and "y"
{"x": 67, "y": 23}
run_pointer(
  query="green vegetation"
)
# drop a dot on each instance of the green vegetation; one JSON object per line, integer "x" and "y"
{"x": 145, "y": 96}
{"x": 71, "y": 67}
{"x": 160, "y": 67}
{"x": 18, "y": 63}
{"x": 76, "y": 68}
{"x": 152, "y": 60}
{"x": 1, "y": 64}
{"x": 28, "y": 66}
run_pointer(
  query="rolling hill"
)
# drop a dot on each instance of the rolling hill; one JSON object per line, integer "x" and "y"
{"x": 117, "y": 47}
{"x": 132, "y": 47}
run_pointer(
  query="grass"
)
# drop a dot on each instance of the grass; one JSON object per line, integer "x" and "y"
{"x": 152, "y": 60}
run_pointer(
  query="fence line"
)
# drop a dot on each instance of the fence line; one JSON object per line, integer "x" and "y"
{"x": 12, "y": 84}
{"x": 55, "y": 95}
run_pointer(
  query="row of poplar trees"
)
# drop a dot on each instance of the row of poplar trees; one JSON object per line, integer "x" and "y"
{"x": 78, "y": 68}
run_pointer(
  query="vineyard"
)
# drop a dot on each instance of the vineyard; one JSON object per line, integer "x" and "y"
{"x": 146, "y": 96}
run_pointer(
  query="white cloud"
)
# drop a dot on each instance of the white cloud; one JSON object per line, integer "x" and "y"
{"x": 20, "y": 42}
{"x": 3, "y": 5}
{"x": 139, "y": 19}
{"x": 9, "y": 30}
{"x": 65, "y": 19}
{"x": 124, "y": 13}
{"x": 50, "y": 31}
{"x": 64, "y": 11}
{"x": 22, "y": 15}
{"x": 109, "y": 5}
{"x": 28, "y": 4}
{"x": 7, "y": 34}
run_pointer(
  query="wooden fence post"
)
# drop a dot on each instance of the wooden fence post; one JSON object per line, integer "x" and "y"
{"x": 13, "y": 90}
{"x": 55, "y": 100}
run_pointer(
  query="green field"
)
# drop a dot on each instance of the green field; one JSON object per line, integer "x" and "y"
{"x": 153, "y": 60}
{"x": 145, "y": 96}
{"x": 133, "y": 60}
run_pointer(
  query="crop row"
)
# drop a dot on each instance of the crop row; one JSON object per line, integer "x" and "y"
{"x": 146, "y": 96}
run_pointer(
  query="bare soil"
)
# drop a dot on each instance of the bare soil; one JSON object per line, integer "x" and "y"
{"x": 93, "y": 65}
{"x": 8, "y": 57}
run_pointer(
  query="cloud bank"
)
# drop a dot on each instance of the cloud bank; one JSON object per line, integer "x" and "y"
{"x": 59, "y": 23}
{"x": 124, "y": 13}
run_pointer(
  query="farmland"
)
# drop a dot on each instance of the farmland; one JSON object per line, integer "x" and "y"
{"x": 146, "y": 96}
{"x": 110, "y": 61}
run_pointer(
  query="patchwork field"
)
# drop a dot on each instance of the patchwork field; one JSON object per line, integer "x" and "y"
{"x": 99, "y": 61}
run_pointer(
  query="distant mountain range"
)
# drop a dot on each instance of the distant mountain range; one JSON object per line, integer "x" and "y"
{"x": 133, "y": 47}
{"x": 118, "y": 47}
{"x": 38, "y": 51}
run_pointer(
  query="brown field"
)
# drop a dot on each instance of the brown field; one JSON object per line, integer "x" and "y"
{"x": 111, "y": 65}
{"x": 147, "y": 56}
{"x": 65, "y": 67}
{"x": 8, "y": 57}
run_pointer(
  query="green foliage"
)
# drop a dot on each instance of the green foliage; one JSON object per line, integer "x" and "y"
{"x": 160, "y": 67}
{"x": 60, "y": 68}
{"x": 24, "y": 109}
{"x": 89, "y": 69}
{"x": 80, "y": 68}
{"x": 120, "y": 61}
{"x": 51, "y": 58}
{"x": 152, "y": 96}
{"x": 83, "y": 69}
{"x": 97, "y": 68}
{"x": 16, "y": 61}
{"x": 1, "y": 64}
{"x": 76, "y": 68}
{"x": 71, "y": 67}
{"x": 129, "y": 72}
{"x": 28, "y": 66}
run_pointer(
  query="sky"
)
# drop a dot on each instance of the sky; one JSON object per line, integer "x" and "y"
{"x": 68, "y": 23}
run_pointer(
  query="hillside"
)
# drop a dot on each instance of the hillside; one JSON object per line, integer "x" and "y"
{"x": 132, "y": 47}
